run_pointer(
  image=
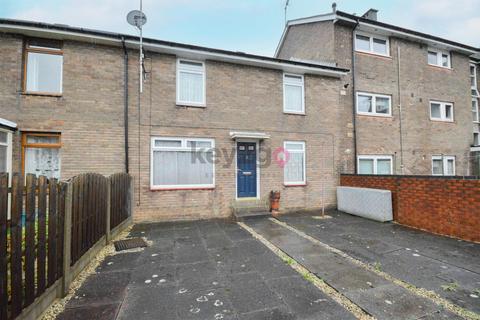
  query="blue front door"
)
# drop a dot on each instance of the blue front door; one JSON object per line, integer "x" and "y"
{"x": 246, "y": 169}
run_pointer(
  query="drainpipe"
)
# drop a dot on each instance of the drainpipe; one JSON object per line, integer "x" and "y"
{"x": 354, "y": 100}
{"x": 125, "y": 101}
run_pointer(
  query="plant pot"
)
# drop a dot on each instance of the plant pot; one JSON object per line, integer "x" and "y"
{"x": 274, "y": 202}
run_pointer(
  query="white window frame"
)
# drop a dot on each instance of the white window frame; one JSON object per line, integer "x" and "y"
{"x": 300, "y": 82}
{"x": 183, "y": 147}
{"x": 439, "y": 58}
{"x": 443, "y": 105}
{"x": 371, "y": 37}
{"x": 444, "y": 165}
{"x": 374, "y": 104}
{"x": 476, "y": 138}
{"x": 474, "y": 86}
{"x": 185, "y": 68}
{"x": 475, "y": 99}
{"x": 375, "y": 159}
{"x": 304, "y": 151}
{"x": 8, "y": 144}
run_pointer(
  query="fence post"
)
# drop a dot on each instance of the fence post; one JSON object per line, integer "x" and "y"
{"x": 130, "y": 198}
{"x": 67, "y": 240}
{"x": 109, "y": 203}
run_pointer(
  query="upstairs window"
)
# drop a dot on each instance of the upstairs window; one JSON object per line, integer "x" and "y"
{"x": 475, "y": 115}
{"x": 473, "y": 80}
{"x": 190, "y": 83}
{"x": 43, "y": 67}
{"x": 441, "y": 111}
{"x": 443, "y": 165}
{"x": 372, "y": 44}
{"x": 374, "y": 104}
{"x": 375, "y": 164}
{"x": 293, "y": 94}
{"x": 476, "y": 138}
{"x": 439, "y": 58}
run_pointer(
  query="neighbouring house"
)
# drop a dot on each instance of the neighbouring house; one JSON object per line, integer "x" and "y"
{"x": 216, "y": 131}
{"x": 414, "y": 96}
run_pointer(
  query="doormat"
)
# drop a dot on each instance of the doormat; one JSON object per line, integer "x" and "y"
{"x": 129, "y": 244}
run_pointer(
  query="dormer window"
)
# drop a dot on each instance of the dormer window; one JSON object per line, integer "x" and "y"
{"x": 372, "y": 44}
{"x": 439, "y": 58}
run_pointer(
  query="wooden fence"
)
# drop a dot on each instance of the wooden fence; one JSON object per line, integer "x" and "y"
{"x": 50, "y": 230}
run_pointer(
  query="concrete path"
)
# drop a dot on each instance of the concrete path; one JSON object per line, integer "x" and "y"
{"x": 199, "y": 270}
{"x": 449, "y": 267}
{"x": 371, "y": 292}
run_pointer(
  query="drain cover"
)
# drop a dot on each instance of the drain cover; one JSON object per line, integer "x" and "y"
{"x": 129, "y": 244}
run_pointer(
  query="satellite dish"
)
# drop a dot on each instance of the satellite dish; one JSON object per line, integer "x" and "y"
{"x": 136, "y": 18}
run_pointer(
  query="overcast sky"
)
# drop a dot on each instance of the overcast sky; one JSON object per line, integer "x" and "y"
{"x": 252, "y": 26}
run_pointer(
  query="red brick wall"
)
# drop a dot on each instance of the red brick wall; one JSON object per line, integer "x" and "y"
{"x": 447, "y": 206}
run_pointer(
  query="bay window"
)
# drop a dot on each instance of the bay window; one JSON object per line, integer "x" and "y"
{"x": 293, "y": 94}
{"x": 43, "y": 67}
{"x": 178, "y": 163}
{"x": 190, "y": 83}
{"x": 372, "y": 164}
{"x": 294, "y": 169}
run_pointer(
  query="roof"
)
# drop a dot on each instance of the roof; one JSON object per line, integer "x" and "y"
{"x": 396, "y": 30}
{"x": 57, "y": 31}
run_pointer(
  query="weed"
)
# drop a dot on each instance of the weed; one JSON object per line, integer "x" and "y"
{"x": 450, "y": 287}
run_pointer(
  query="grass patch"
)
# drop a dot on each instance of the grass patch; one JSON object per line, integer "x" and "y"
{"x": 452, "y": 287}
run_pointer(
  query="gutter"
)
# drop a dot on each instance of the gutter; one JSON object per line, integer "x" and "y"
{"x": 354, "y": 100}
{"x": 125, "y": 101}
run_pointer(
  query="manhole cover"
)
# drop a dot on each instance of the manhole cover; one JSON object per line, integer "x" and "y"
{"x": 129, "y": 244}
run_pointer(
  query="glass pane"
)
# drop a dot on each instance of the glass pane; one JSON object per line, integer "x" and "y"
{"x": 364, "y": 103}
{"x": 168, "y": 143}
{"x": 362, "y": 43}
{"x": 365, "y": 166}
{"x": 191, "y": 87}
{"x": 450, "y": 167}
{"x": 380, "y": 46}
{"x": 383, "y": 105}
{"x": 432, "y": 57}
{"x": 449, "y": 112}
{"x": 43, "y": 139}
{"x": 44, "y": 72}
{"x": 437, "y": 166}
{"x": 293, "y": 98}
{"x": 445, "y": 60}
{"x": 384, "y": 166}
{"x": 475, "y": 110}
{"x": 294, "y": 168}
{"x": 199, "y": 144}
{"x": 3, "y": 158}
{"x": 435, "y": 110}
{"x": 293, "y": 146}
{"x": 3, "y": 137}
{"x": 182, "y": 168}
{"x": 43, "y": 161}
{"x": 476, "y": 139}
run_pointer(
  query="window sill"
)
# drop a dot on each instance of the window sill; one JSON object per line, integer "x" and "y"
{"x": 376, "y": 55}
{"x": 375, "y": 115}
{"x": 190, "y": 105}
{"x": 440, "y": 67}
{"x": 43, "y": 94}
{"x": 154, "y": 189}
{"x": 287, "y": 185}
{"x": 442, "y": 121}
{"x": 294, "y": 113}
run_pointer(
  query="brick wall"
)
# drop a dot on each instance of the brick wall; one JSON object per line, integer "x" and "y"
{"x": 444, "y": 205}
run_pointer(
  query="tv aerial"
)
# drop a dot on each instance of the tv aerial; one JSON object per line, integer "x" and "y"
{"x": 138, "y": 19}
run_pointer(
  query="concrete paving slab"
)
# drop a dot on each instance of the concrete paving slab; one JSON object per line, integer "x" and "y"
{"x": 119, "y": 261}
{"x": 204, "y": 304}
{"x": 100, "y": 312}
{"x": 199, "y": 276}
{"x": 277, "y": 313}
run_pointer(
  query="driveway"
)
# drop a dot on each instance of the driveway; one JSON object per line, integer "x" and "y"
{"x": 218, "y": 270}
{"x": 199, "y": 270}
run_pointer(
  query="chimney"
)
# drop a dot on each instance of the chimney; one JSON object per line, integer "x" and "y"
{"x": 334, "y": 7}
{"x": 371, "y": 14}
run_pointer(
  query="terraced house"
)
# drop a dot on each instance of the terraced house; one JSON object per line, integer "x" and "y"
{"x": 413, "y": 96}
{"x": 215, "y": 131}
